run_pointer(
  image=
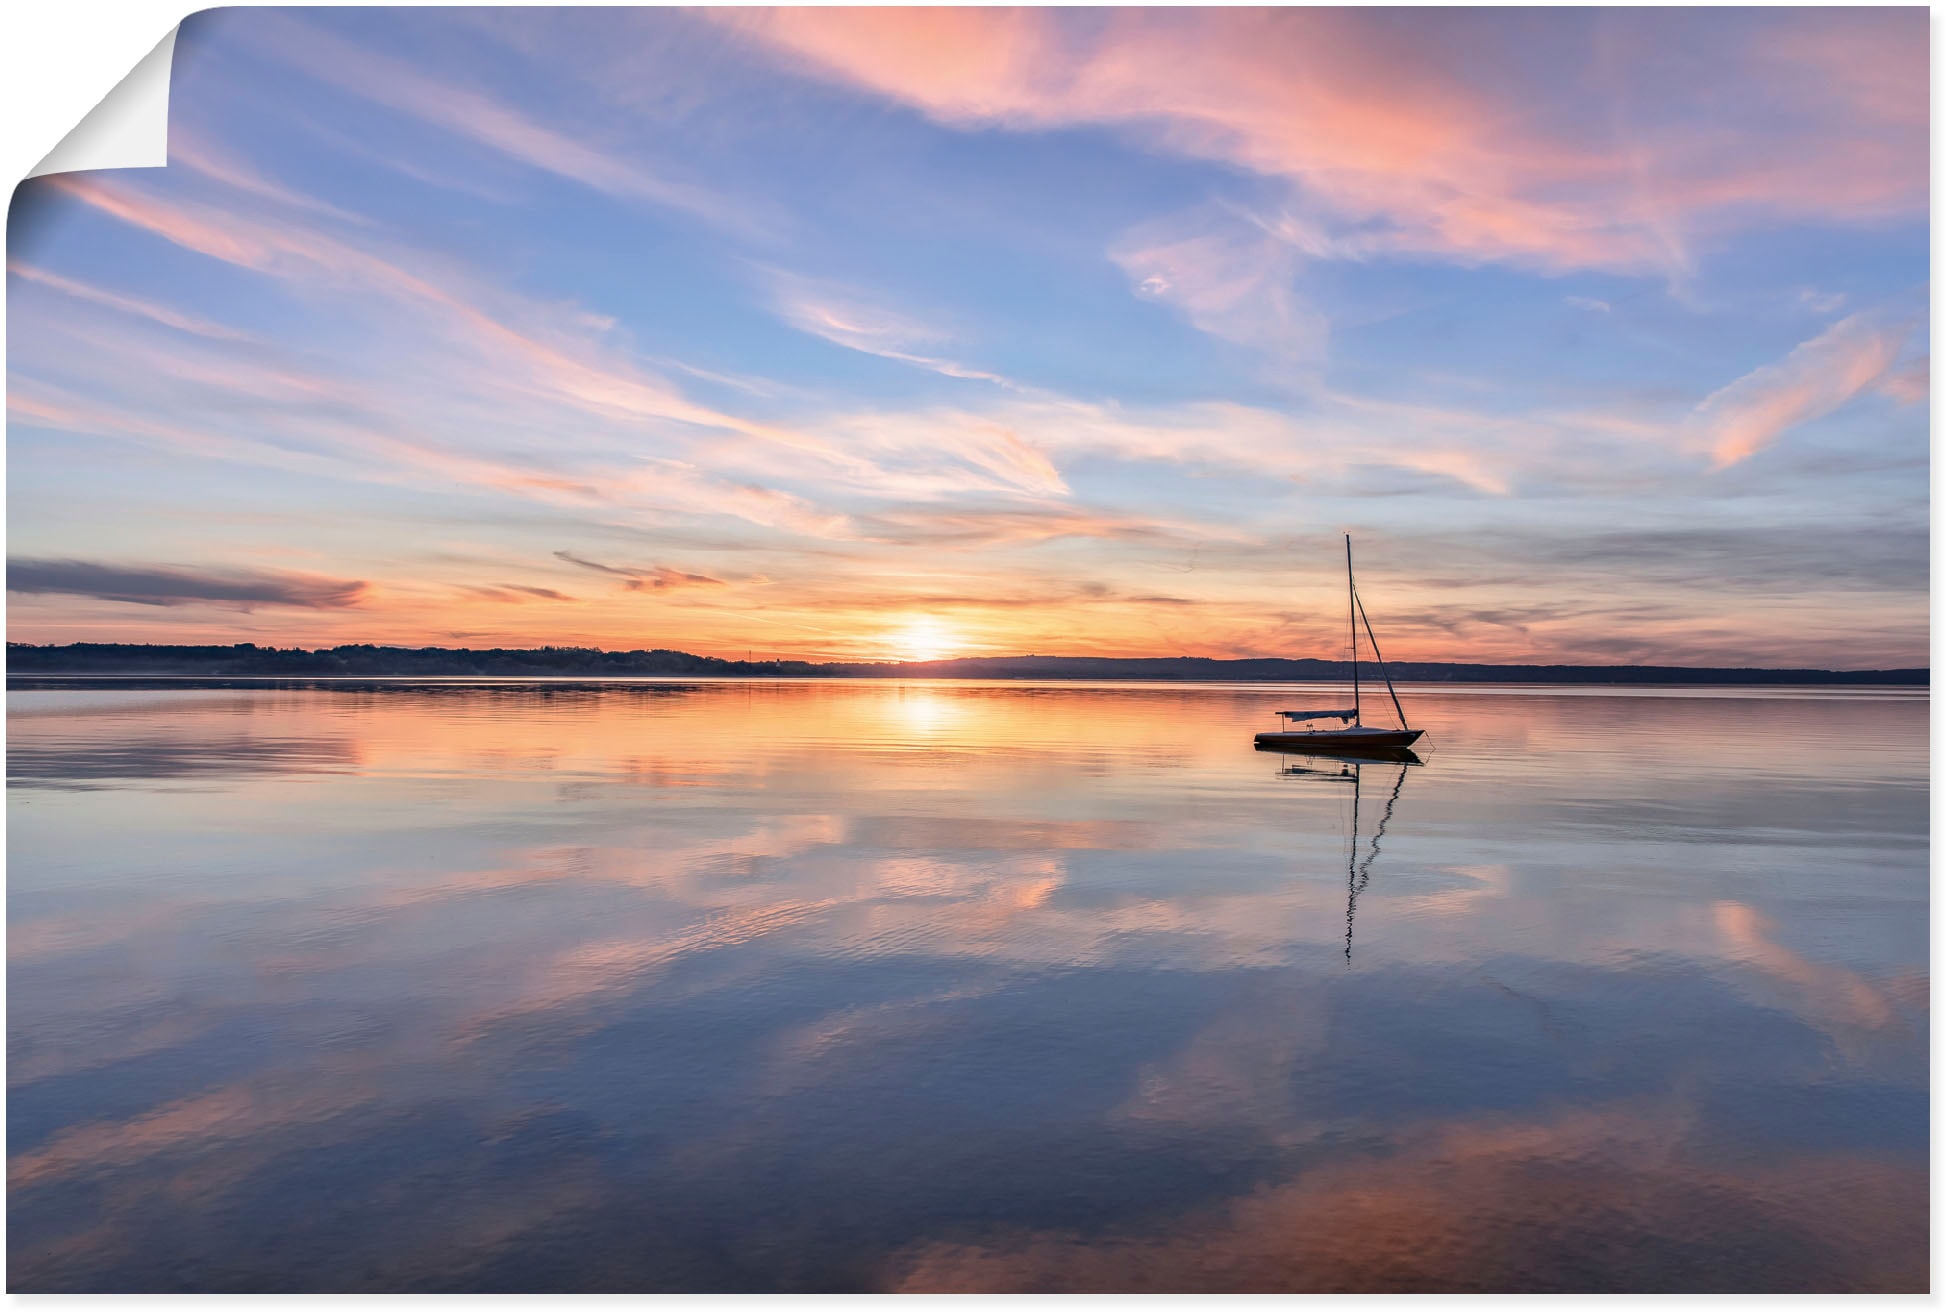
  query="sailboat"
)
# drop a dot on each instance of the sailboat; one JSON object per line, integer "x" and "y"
{"x": 1355, "y": 737}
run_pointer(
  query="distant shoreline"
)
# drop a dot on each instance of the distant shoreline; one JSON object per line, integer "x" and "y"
{"x": 124, "y": 661}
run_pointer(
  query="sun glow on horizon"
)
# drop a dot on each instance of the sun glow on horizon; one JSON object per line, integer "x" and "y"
{"x": 923, "y": 638}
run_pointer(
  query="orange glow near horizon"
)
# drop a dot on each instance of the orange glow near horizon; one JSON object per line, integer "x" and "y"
{"x": 861, "y": 618}
{"x": 923, "y": 638}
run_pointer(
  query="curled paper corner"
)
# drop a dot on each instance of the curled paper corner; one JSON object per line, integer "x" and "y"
{"x": 129, "y": 129}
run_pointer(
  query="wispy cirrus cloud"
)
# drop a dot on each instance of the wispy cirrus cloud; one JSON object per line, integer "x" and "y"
{"x": 999, "y": 525}
{"x": 557, "y": 365}
{"x": 945, "y": 452}
{"x": 485, "y": 121}
{"x": 1909, "y": 383}
{"x": 848, "y": 318}
{"x": 169, "y": 586}
{"x": 512, "y": 592}
{"x": 46, "y": 407}
{"x": 292, "y": 253}
{"x": 420, "y": 430}
{"x": 320, "y": 429}
{"x": 1434, "y": 138}
{"x": 1338, "y": 435}
{"x": 1231, "y": 274}
{"x": 223, "y": 165}
{"x": 1739, "y": 420}
{"x": 135, "y": 305}
{"x": 651, "y": 578}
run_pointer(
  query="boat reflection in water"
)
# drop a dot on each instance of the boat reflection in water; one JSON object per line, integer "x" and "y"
{"x": 1350, "y": 768}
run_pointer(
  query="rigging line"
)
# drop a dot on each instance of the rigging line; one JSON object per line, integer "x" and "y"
{"x": 1360, "y": 603}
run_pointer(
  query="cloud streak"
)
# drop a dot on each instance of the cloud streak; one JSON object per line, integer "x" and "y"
{"x": 512, "y": 592}
{"x": 292, "y": 253}
{"x": 482, "y": 120}
{"x": 135, "y": 305}
{"x": 1739, "y": 420}
{"x": 550, "y": 366}
{"x": 653, "y": 578}
{"x": 845, "y": 318}
{"x": 1433, "y": 138}
{"x": 167, "y": 586}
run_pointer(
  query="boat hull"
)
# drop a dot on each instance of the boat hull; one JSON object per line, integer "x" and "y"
{"x": 1340, "y": 741}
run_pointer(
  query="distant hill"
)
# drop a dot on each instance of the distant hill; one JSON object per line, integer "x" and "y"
{"x": 247, "y": 660}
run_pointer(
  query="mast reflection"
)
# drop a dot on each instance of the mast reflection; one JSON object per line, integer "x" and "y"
{"x": 1351, "y": 769}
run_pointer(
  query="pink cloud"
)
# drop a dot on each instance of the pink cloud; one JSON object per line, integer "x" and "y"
{"x": 1438, "y": 136}
{"x": 46, "y": 407}
{"x": 1337, "y": 436}
{"x": 1910, "y": 383}
{"x": 1230, "y": 274}
{"x": 1737, "y": 421}
{"x": 290, "y": 252}
{"x": 548, "y": 364}
{"x": 215, "y": 162}
{"x": 134, "y": 305}
{"x": 375, "y": 456}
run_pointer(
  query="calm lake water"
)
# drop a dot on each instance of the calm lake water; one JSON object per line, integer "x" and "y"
{"x": 857, "y": 986}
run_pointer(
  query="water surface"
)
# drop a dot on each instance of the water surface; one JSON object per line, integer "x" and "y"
{"x": 849, "y": 986}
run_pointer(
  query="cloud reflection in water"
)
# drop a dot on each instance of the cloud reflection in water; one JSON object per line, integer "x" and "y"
{"x": 854, "y": 986}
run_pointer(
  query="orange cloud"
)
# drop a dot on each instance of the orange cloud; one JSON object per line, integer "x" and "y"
{"x": 1487, "y": 1206}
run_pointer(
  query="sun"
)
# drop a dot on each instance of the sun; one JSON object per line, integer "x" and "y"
{"x": 923, "y": 638}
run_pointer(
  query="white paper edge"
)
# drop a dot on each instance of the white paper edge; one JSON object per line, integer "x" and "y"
{"x": 129, "y": 129}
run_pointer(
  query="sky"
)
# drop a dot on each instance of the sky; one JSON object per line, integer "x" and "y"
{"x": 902, "y": 334}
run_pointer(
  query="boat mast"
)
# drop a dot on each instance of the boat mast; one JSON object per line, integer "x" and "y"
{"x": 1351, "y": 611}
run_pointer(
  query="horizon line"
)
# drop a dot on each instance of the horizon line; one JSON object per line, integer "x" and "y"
{"x": 752, "y": 663}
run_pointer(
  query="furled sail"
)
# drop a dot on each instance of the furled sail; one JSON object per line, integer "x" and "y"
{"x": 1318, "y": 715}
